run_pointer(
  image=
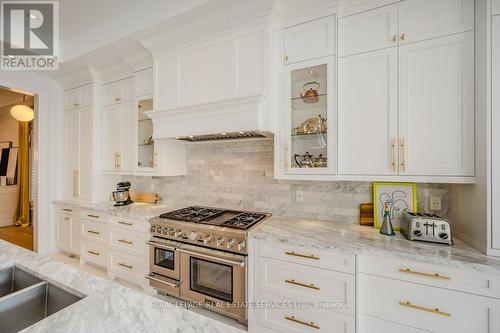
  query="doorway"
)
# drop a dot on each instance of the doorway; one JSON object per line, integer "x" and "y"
{"x": 17, "y": 193}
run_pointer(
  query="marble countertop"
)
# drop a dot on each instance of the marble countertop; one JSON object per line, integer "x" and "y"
{"x": 137, "y": 211}
{"x": 108, "y": 306}
{"x": 357, "y": 239}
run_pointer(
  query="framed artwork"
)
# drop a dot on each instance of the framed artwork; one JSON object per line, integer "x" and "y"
{"x": 400, "y": 196}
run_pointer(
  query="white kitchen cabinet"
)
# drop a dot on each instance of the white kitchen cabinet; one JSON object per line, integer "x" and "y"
{"x": 63, "y": 232}
{"x": 427, "y": 308}
{"x": 86, "y": 151}
{"x": 436, "y": 106}
{"x": 425, "y": 19}
{"x": 144, "y": 152}
{"x": 368, "y": 113}
{"x": 118, "y": 92}
{"x": 309, "y": 40}
{"x": 495, "y": 130}
{"x": 117, "y": 145}
{"x": 71, "y": 155}
{"x": 78, "y": 97}
{"x": 369, "y": 324}
{"x": 308, "y": 119}
{"x": 368, "y": 31}
{"x": 68, "y": 233}
{"x": 143, "y": 82}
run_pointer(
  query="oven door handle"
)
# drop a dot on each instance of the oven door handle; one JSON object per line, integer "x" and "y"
{"x": 161, "y": 246}
{"x": 205, "y": 256}
{"x": 171, "y": 284}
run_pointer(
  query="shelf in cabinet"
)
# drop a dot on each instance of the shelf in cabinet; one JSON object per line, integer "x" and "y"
{"x": 146, "y": 144}
{"x": 146, "y": 119}
{"x": 310, "y": 135}
{"x": 297, "y": 103}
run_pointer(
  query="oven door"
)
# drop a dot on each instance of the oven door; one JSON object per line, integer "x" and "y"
{"x": 164, "y": 258}
{"x": 214, "y": 279}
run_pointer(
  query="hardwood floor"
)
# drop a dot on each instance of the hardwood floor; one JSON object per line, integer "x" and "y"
{"x": 17, "y": 235}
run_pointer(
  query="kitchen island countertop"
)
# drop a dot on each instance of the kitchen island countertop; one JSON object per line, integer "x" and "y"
{"x": 108, "y": 306}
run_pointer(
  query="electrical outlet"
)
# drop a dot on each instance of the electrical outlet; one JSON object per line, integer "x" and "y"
{"x": 299, "y": 196}
{"x": 435, "y": 203}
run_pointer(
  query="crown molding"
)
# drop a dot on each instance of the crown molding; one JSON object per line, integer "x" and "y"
{"x": 292, "y": 13}
{"x": 80, "y": 77}
{"x": 139, "y": 61}
{"x": 115, "y": 72}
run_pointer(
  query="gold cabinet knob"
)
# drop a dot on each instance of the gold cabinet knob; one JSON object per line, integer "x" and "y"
{"x": 395, "y": 38}
{"x": 403, "y": 36}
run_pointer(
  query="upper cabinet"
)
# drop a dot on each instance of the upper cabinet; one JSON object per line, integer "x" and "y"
{"x": 408, "y": 102}
{"x": 78, "y": 97}
{"x": 495, "y": 133}
{"x": 216, "y": 70}
{"x": 495, "y": 7}
{"x": 309, "y": 40}
{"x": 118, "y": 92}
{"x": 368, "y": 31}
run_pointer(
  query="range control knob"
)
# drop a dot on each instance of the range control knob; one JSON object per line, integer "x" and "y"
{"x": 153, "y": 228}
{"x": 230, "y": 243}
{"x": 193, "y": 235}
{"x": 158, "y": 230}
{"x": 443, "y": 235}
{"x": 220, "y": 241}
{"x": 207, "y": 239}
{"x": 241, "y": 245}
{"x": 165, "y": 231}
{"x": 417, "y": 233}
{"x": 177, "y": 233}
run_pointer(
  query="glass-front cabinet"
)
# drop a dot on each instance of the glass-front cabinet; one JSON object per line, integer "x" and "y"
{"x": 309, "y": 117}
{"x": 145, "y": 143}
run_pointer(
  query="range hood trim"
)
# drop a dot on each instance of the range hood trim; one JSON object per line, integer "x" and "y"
{"x": 230, "y": 115}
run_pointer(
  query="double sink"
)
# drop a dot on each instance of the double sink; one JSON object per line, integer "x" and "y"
{"x": 26, "y": 299}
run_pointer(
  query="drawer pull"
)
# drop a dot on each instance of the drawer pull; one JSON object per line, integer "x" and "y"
{"x": 93, "y": 216}
{"x": 67, "y": 210}
{"x": 305, "y": 323}
{"x": 93, "y": 232}
{"x": 421, "y": 308}
{"x": 94, "y": 253}
{"x": 125, "y": 265}
{"x": 308, "y": 256}
{"x": 312, "y": 286}
{"x": 125, "y": 223}
{"x": 125, "y": 241}
{"x": 430, "y": 275}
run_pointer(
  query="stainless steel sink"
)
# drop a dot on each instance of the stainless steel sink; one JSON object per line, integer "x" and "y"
{"x": 29, "y": 299}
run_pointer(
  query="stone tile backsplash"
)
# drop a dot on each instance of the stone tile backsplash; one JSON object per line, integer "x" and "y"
{"x": 239, "y": 175}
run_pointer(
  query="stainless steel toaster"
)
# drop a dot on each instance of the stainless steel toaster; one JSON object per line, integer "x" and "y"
{"x": 426, "y": 227}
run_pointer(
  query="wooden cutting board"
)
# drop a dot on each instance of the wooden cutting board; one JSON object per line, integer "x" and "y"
{"x": 145, "y": 197}
{"x": 366, "y": 214}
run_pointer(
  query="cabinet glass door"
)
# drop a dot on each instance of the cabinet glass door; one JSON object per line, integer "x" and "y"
{"x": 308, "y": 148}
{"x": 145, "y": 151}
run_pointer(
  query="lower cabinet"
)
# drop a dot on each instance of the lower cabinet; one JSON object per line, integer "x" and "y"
{"x": 367, "y": 324}
{"x": 300, "y": 289}
{"x": 68, "y": 233}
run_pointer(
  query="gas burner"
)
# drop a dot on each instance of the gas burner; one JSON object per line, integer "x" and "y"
{"x": 192, "y": 214}
{"x": 244, "y": 220}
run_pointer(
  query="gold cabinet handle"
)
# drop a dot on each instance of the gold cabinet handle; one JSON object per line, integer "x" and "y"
{"x": 75, "y": 183}
{"x": 395, "y": 38}
{"x": 285, "y": 58}
{"x": 125, "y": 223}
{"x": 66, "y": 219}
{"x": 286, "y": 157}
{"x": 308, "y": 256}
{"x": 94, "y": 253}
{"x": 429, "y": 275}
{"x": 155, "y": 158}
{"x": 93, "y": 232}
{"x": 117, "y": 99}
{"x": 93, "y": 216}
{"x": 305, "y": 323}
{"x": 76, "y": 104}
{"x": 125, "y": 265}
{"x": 393, "y": 155}
{"x": 403, "y": 36}
{"x": 67, "y": 210}
{"x": 125, "y": 241}
{"x": 422, "y": 308}
{"x": 119, "y": 160}
{"x": 404, "y": 152}
{"x": 311, "y": 285}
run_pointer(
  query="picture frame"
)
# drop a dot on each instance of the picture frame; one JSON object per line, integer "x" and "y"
{"x": 401, "y": 196}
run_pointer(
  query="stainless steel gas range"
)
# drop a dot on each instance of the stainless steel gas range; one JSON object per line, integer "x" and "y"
{"x": 199, "y": 254}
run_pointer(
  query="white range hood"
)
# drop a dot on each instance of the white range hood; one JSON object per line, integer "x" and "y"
{"x": 225, "y": 119}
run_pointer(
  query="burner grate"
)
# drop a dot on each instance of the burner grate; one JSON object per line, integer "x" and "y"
{"x": 193, "y": 214}
{"x": 244, "y": 220}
